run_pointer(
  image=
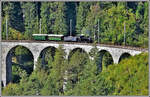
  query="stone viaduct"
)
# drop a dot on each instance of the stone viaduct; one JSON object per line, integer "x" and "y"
{"x": 36, "y": 48}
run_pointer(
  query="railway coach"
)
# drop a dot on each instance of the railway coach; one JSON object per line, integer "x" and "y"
{"x": 39, "y": 36}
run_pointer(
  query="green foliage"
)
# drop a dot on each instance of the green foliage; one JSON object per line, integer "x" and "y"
{"x": 60, "y": 26}
{"x": 22, "y": 62}
{"x": 24, "y": 20}
{"x": 79, "y": 75}
{"x": 14, "y": 34}
{"x": 11, "y": 89}
{"x": 94, "y": 51}
{"x": 53, "y": 17}
{"x": 75, "y": 67}
{"x": 82, "y": 11}
{"x": 48, "y": 16}
{"x": 107, "y": 60}
{"x": 46, "y": 59}
{"x": 15, "y": 16}
{"x": 50, "y": 87}
{"x": 55, "y": 81}
{"x": 31, "y": 19}
{"x": 20, "y": 50}
{"x": 92, "y": 86}
{"x": 15, "y": 26}
{"x": 117, "y": 16}
{"x": 90, "y": 83}
{"x": 13, "y": 13}
{"x": 92, "y": 19}
{"x": 24, "y": 58}
{"x": 17, "y": 73}
{"x": 130, "y": 76}
{"x": 45, "y": 20}
{"x": 35, "y": 83}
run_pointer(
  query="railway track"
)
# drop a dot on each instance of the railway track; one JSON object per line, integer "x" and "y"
{"x": 81, "y": 43}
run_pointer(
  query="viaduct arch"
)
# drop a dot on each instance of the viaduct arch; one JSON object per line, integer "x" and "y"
{"x": 37, "y": 48}
{"x": 9, "y": 62}
{"x": 101, "y": 54}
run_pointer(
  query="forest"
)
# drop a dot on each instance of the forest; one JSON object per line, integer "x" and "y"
{"x": 79, "y": 75}
{"x": 118, "y": 21}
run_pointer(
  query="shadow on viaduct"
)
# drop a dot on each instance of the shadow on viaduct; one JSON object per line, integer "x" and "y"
{"x": 36, "y": 49}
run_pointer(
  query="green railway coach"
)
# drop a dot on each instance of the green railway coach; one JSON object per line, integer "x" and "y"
{"x": 55, "y": 37}
{"x": 40, "y": 36}
{"x": 50, "y": 37}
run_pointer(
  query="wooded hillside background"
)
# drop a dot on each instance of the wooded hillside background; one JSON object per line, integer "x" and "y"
{"x": 23, "y": 20}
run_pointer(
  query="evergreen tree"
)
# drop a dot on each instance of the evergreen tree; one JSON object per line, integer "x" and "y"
{"x": 145, "y": 25}
{"x": 128, "y": 76}
{"x": 118, "y": 17}
{"x": 30, "y": 12}
{"x": 82, "y": 11}
{"x": 16, "y": 16}
{"x": 76, "y": 65}
{"x": 12, "y": 11}
{"x": 142, "y": 22}
{"x": 91, "y": 21}
{"x": 78, "y": 75}
{"x": 91, "y": 82}
{"x": 55, "y": 83}
{"x": 56, "y": 16}
{"x": 53, "y": 17}
{"x": 60, "y": 26}
{"x": 45, "y": 17}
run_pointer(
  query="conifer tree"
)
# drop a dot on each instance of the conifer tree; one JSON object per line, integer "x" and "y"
{"x": 30, "y": 12}
{"x": 75, "y": 68}
{"x": 92, "y": 19}
{"x": 60, "y": 26}
{"x": 45, "y": 17}
{"x": 12, "y": 11}
{"x": 82, "y": 11}
{"x": 15, "y": 16}
{"x": 55, "y": 83}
